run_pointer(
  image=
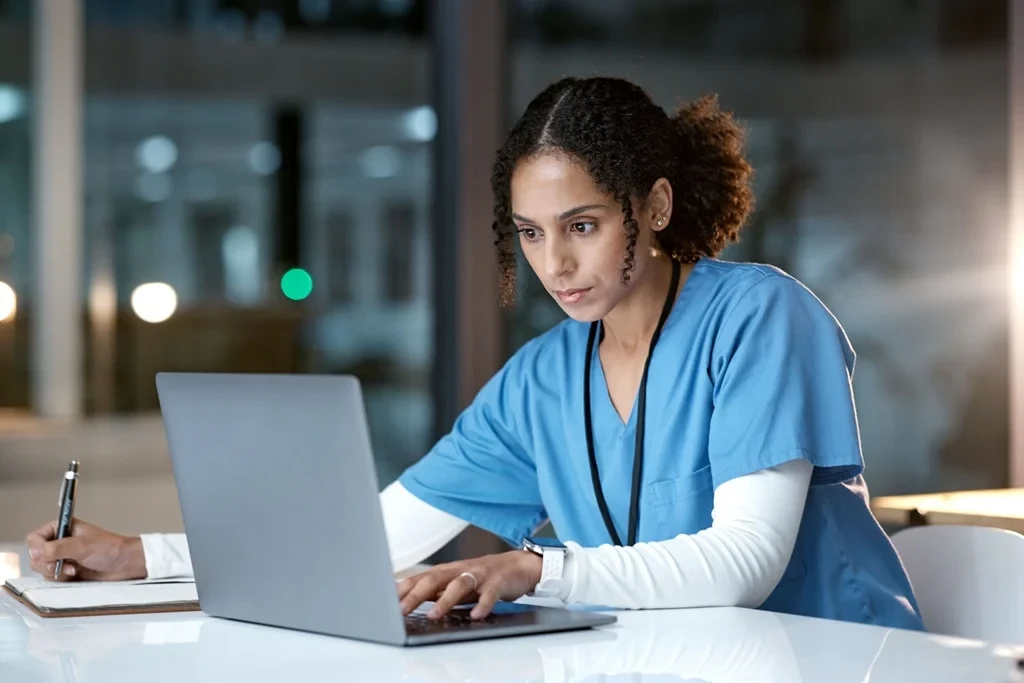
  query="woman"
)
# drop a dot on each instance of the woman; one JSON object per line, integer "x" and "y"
{"x": 689, "y": 431}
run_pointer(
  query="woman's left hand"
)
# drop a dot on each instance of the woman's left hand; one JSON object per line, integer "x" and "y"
{"x": 488, "y": 579}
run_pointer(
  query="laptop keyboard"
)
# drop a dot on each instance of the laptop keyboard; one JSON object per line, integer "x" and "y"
{"x": 458, "y": 619}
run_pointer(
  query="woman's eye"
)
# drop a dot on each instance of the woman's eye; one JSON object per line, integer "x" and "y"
{"x": 582, "y": 227}
{"x": 528, "y": 233}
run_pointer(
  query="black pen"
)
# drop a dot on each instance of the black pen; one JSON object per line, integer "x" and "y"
{"x": 67, "y": 507}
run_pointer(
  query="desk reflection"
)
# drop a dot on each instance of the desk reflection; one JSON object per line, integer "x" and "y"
{"x": 722, "y": 645}
{"x": 709, "y": 645}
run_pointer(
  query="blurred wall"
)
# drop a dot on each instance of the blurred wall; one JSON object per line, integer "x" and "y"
{"x": 879, "y": 134}
{"x": 226, "y": 142}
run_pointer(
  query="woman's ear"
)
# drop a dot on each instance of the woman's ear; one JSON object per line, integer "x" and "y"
{"x": 659, "y": 205}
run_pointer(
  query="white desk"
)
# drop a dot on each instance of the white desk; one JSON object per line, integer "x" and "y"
{"x": 672, "y": 645}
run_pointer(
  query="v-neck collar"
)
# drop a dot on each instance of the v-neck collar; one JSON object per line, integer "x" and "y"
{"x": 599, "y": 385}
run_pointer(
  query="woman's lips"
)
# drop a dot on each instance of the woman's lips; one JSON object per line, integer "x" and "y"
{"x": 572, "y": 296}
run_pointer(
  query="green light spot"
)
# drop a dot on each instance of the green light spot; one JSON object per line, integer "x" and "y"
{"x": 296, "y": 284}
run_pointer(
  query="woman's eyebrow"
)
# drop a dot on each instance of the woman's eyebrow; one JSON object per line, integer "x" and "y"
{"x": 567, "y": 214}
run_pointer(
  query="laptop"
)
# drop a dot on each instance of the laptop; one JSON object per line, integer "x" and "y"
{"x": 279, "y": 499}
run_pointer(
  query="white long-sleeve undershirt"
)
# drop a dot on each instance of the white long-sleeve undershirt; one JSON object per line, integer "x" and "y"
{"x": 738, "y": 561}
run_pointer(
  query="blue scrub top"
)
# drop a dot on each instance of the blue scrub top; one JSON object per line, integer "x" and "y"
{"x": 751, "y": 371}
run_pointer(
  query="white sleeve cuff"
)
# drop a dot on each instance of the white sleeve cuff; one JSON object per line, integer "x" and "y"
{"x": 166, "y": 555}
{"x": 575, "y": 572}
{"x": 415, "y": 529}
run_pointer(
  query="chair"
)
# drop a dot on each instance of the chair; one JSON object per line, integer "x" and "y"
{"x": 969, "y": 580}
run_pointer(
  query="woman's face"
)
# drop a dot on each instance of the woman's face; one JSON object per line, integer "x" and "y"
{"x": 573, "y": 236}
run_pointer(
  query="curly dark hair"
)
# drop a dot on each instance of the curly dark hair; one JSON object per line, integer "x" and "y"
{"x": 627, "y": 142}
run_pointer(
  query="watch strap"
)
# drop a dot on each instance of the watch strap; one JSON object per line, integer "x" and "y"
{"x": 552, "y": 582}
{"x": 554, "y": 564}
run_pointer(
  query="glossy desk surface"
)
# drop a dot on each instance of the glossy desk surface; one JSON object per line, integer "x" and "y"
{"x": 656, "y": 646}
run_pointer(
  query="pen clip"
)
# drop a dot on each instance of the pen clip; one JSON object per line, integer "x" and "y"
{"x": 63, "y": 490}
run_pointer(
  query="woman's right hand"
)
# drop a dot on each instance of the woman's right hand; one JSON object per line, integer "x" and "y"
{"x": 89, "y": 553}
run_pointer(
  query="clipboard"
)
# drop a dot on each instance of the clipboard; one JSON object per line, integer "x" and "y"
{"x": 107, "y": 608}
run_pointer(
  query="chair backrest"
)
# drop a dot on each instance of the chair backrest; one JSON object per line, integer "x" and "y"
{"x": 969, "y": 580}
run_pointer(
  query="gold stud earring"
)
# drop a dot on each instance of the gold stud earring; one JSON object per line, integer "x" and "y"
{"x": 661, "y": 220}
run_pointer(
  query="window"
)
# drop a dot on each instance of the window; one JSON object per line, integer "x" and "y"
{"x": 399, "y": 250}
{"x": 341, "y": 257}
{"x": 16, "y": 269}
{"x": 250, "y": 188}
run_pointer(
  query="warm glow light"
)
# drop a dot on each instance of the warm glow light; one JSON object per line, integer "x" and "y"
{"x": 8, "y": 301}
{"x": 154, "y": 302}
{"x": 1017, "y": 279}
{"x": 10, "y": 566}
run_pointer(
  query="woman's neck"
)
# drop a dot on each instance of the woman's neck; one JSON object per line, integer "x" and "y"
{"x": 629, "y": 326}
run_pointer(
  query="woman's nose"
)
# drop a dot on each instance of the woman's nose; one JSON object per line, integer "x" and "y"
{"x": 558, "y": 260}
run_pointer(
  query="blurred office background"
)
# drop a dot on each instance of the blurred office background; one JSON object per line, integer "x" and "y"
{"x": 301, "y": 186}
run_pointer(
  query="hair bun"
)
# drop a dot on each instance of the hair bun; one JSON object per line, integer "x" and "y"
{"x": 716, "y": 174}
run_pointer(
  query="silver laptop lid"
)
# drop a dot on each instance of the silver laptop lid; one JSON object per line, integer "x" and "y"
{"x": 279, "y": 497}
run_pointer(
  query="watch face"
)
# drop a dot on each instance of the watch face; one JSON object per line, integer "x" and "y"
{"x": 545, "y": 542}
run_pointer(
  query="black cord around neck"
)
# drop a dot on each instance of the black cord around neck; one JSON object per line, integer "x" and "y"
{"x": 641, "y": 415}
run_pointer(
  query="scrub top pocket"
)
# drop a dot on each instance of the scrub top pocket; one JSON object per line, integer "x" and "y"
{"x": 682, "y": 505}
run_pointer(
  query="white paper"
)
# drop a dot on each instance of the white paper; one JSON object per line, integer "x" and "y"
{"x": 25, "y": 583}
{"x": 58, "y": 595}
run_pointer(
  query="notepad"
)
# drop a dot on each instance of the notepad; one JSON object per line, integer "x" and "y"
{"x": 86, "y": 598}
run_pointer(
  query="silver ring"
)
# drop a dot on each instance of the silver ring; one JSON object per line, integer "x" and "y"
{"x": 470, "y": 576}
